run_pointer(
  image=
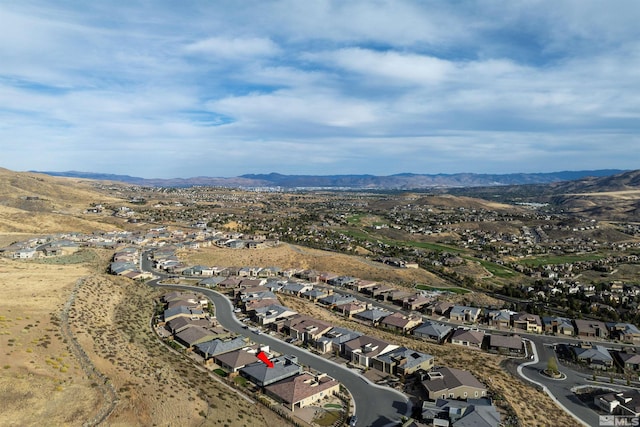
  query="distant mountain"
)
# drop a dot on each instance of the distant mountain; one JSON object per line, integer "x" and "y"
{"x": 403, "y": 181}
{"x": 619, "y": 182}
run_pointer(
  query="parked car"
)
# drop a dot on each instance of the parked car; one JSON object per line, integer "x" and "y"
{"x": 353, "y": 420}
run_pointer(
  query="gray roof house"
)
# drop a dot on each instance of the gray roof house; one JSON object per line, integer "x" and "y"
{"x": 272, "y": 313}
{"x": 433, "y": 330}
{"x": 597, "y": 357}
{"x": 402, "y": 361}
{"x": 626, "y": 332}
{"x": 456, "y": 413}
{"x": 452, "y": 384}
{"x": 363, "y": 349}
{"x": 630, "y": 361}
{"x": 261, "y": 375}
{"x": 296, "y": 288}
{"x": 558, "y": 325}
{"x": 461, "y": 313}
{"x": 216, "y": 347}
{"x": 336, "y": 299}
{"x": 374, "y": 315}
{"x": 335, "y": 339}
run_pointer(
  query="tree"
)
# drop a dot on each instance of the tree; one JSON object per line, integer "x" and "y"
{"x": 552, "y": 366}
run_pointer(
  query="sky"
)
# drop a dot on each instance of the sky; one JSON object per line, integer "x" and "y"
{"x": 165, "y": 89}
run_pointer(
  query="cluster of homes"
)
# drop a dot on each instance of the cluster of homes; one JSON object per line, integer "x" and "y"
{"x": 67, "y": 243}
{"x": 186, "y": 322}
{"x": 254, "y": 290}
{"x": 42, "y": 247}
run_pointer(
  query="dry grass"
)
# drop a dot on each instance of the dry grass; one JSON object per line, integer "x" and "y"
{"x": 155, "y": 386}
{"x": 40, "y": 379}
{"x": 290, "y": 256}
{"x": 35, "y": 203}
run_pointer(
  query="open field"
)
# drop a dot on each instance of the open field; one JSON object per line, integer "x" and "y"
{"x": 41, "y": 377}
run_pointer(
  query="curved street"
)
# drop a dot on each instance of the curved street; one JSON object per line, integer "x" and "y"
{"x": 376, "y": 406}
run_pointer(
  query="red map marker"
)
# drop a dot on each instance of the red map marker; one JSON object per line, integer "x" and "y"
{"x": 262, "y": 356}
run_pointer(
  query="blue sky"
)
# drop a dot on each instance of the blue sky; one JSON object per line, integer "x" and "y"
{"x": 223, "y": 88}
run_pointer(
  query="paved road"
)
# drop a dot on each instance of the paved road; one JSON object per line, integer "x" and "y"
{"x": 376, "y": 406}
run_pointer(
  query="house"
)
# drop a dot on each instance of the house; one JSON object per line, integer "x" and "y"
{"x": 596, "y": 357}
{"x": 373, "y": 315}
{"x": 296, "y": 288}
{"x": 500, "y": 319}
{"x": 305, "y": 328}
{"x": 181, "y": 296}
{"x": 415, "y": 302}
{"x": 194, "y": 335}
{"x": 452, "y": 383}
{"x": 179, "y": 324}
{"x": 272, "y": 313}
{"x": 400, "y": 322}
{"x": 403, "y": 361}
{"x": 591, "y": 328}
{"x": 461, "y": 313}
{"x": 527, "y": 322}
{"x": 379, "y": 291}
{"x": 235, "y": 360}
{"x": 625, "y": 332}
{"x": 629, "y": 361}
{"x": 302, "y": 390}
{"x": 341, "y": 281}
{"x": 316, "y": 293}
{"x": 198, "y": 270}
{"x": 435, "y": 331}
{"x": 261, "y": 375}
{"x": 251, "y": 306}
{"x": 468, "y": 337}
{"x": 336, "y": 299}
{"x": 456, "y": 413}
{"x": 360, "y": 351}
{"x": 333, "y": 341}
{"x": 504, "y": 344}
{"x": 25, "y": 253}
{"x": 441, "y": 308}
{"x": 558, "y": 326}
{"x": 626, "y": 403}
{"x": 210, "y": 282}
{"x": 216, "y": 347}
{"x": 350, "y": 309}
{"x": 183, "y": 311}
{"x": 361, "y": 285}
{"x": 399, "y": 295}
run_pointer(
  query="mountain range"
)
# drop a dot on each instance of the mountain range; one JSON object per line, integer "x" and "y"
{"x": 403, "y": 181}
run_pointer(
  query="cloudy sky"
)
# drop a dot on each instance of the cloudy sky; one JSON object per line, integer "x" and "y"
{"x": 223, "y": 88}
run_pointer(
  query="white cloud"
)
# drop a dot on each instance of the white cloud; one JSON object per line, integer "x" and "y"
{"x": 359, "y": 86}
{"x": 233, "y": 47}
